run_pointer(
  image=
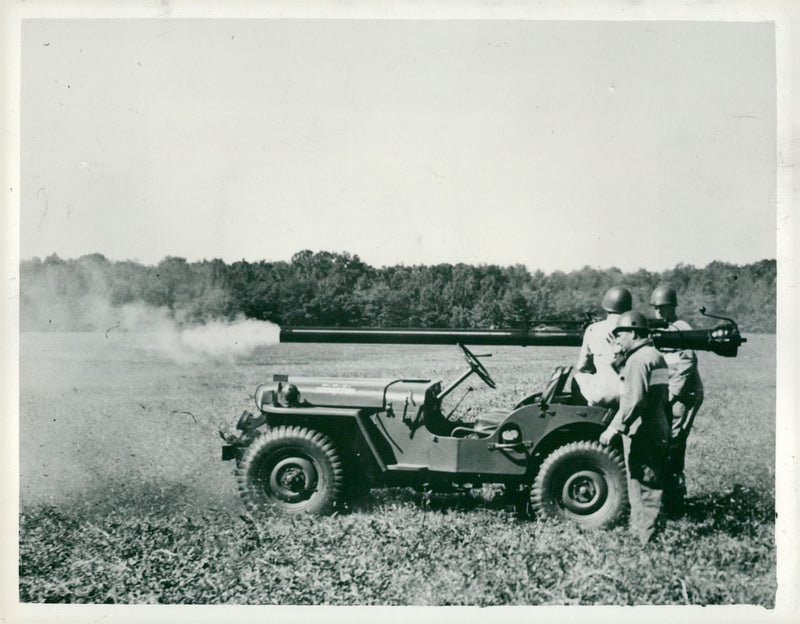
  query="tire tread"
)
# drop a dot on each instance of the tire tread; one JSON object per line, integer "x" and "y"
{"x": 541, "y": 502}
{"x": 316, "y": 438}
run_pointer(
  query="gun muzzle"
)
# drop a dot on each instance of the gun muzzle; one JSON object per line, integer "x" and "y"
{"x": 723, "y": 340}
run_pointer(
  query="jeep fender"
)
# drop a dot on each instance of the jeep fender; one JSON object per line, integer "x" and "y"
{"x": 570, "y": 432}
{"x": 347, "y": 428}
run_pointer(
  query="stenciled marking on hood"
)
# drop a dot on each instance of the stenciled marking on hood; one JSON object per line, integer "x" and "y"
{"x": 335, "y": 389}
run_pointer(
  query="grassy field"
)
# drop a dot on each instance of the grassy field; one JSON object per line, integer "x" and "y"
{"x": 124, "y": 498}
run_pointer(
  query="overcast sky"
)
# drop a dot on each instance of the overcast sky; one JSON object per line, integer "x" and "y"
{"x": 549, "y": 144}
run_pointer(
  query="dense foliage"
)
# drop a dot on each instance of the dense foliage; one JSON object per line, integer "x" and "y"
{"x": 339, "y": 289}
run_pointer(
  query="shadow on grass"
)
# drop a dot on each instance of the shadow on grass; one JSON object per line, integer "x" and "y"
{"x": 737, "y": 511}
{"x": 489, "y": 498}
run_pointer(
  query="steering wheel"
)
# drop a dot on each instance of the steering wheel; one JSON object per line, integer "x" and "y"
{"x": 477, "y": 367}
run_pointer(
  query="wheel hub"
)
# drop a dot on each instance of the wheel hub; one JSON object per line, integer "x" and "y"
{"x": 293, "y": 479}
{"x": 584, "y": 492}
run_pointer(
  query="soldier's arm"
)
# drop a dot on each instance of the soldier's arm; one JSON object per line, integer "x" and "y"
{"x": 585, "y": 360}
{"x": 632, "y": 397}
{"x": 680, "y": 372}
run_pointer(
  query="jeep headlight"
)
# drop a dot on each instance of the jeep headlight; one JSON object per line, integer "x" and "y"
{"x": 264, "y": 396}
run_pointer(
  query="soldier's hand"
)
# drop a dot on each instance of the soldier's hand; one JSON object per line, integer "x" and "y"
{"x": 607, "y": 437}
{"x": 618, "y": 361}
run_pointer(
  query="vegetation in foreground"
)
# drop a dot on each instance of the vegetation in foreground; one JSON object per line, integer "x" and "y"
{"x": 401, "y": 548}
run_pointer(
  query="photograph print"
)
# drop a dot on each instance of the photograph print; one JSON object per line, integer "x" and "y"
{"x": 435, "y": 311}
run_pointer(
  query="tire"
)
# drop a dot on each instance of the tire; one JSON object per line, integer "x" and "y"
{"x": 291, "y": 470}
{"x": 583, "y": 482}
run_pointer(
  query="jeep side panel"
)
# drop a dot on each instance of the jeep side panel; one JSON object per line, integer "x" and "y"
{"x": 412, "y": 447}
{"x": 491, "y": 456}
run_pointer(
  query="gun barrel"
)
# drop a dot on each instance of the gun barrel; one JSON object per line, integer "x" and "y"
{"x": 723, "y": 340}
{"x": 380, "y": 335}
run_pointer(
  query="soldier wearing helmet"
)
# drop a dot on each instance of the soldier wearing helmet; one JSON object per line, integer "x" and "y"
{"x": 642, "y": 421}
{"x": 685, "y": 396}
{"x": 595, "y": 376}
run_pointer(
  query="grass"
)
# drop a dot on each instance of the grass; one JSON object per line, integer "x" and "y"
{"x": 395, "y": 551}
{"x": 124, "y": 499}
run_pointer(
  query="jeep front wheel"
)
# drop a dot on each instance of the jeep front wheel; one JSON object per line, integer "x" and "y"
{"x": 293, "y": 470}
{"x": 583, "y": 482}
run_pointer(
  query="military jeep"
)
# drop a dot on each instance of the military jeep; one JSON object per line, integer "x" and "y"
{"x": 314, "y": 443}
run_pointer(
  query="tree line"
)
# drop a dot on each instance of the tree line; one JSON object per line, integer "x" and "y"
{"x": 339, "y": 289}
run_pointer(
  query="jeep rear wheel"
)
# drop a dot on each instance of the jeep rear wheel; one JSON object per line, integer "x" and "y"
{"x": 293, "y": 470}
{"x": 583, "y": 482}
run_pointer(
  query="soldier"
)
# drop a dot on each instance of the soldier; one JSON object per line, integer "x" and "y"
{"x": 596, "y": 377}
{"x": 684, "y": 400}
{"x": 642, "y": 421}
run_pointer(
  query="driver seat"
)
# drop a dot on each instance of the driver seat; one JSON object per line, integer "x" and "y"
{"x": 484, "y": 424}
{"x": 488, "y": 421}
{"x": 556, "y": 384}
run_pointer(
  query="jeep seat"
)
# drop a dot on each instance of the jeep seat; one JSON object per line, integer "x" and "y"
{"x": 488, "y": 421}
{"x": 555, "y": 386}
{"x": 484, "y": 425}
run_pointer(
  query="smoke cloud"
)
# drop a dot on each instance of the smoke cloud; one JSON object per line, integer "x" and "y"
{"x": 230, "y": 338}
{"x": 46, "y": 307}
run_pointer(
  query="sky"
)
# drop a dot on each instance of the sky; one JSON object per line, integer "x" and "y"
{"x": 552, "y": 144}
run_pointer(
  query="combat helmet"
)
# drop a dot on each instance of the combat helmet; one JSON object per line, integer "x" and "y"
{"x": 664, "y": 295}
{"x": 617, "y": 300}
{"x": 632, "y": 320}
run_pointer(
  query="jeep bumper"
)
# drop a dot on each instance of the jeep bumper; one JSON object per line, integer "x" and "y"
{"x": 231, "y": 452}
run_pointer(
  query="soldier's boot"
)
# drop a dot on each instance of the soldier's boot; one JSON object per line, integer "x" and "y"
{"x": 675, "y": 496}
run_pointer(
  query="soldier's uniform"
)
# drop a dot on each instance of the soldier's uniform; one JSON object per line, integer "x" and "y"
{"x": 598, "y": 381}
{"x": 685, "y": 398}
{"x": 642, "y": 421}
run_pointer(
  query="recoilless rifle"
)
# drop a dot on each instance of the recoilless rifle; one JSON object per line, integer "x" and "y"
{"x": 723, "y": 340}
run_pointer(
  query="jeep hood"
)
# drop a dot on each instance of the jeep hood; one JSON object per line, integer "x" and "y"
{"x": 361, "y": 393}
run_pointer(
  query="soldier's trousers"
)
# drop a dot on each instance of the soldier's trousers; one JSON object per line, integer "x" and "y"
{"x": 646, "y": 461}
{"x": 682, "y": 412}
